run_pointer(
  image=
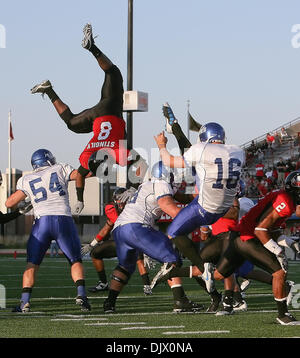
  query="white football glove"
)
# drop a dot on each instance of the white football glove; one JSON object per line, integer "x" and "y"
{"x": 149, "y": 262}
{"x": 127, "y": 195}
{"x": 283, "y": 261}
{"x": 86, "y": 249}
{"x": 296, "y": 247}
{"x": 78, "y": 207}
{"x": 24, "y": 207}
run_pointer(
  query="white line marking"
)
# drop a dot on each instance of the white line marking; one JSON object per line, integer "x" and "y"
{"x": 78, "y": 315}
{"x": 152, "y": 327}
{"x": 79, "y": 319}
{"x": 195, "y": 332}
{"x": 113, "y": 323}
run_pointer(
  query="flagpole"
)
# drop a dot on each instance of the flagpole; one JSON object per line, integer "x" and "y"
{"x": 188, "y": 119}
{"x": 9, "y": 153}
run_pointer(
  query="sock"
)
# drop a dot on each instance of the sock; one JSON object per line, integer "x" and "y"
{"x": 145, "y": 279}
{"x": 95, "y": 51}
{"x": 26, "y": 294}
{"x": 228, "y": 297}
{"x": 102, "y": 276}
{"x": 282, "y": 308}
{"x": 51, "y": 94}
{"x": 237, "y": 296}
{"x": 178, "y": 292}
{"x": 80, "y": 285}
{"x": 112, "y": 296}
{"x": 215, "y": 295}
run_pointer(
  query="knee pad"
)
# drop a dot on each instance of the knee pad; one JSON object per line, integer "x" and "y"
{"x": 119, "y": 279}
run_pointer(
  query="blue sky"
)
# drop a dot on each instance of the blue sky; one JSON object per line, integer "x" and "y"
{"x": 232, "y": 59}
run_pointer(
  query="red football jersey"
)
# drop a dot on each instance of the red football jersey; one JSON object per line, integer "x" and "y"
{"x": 223, "y": 225}
{"x": 108, "y": 132}
{"x": 259, "y": 170}
{"x": 111, "y": 213}
{"x": 280, "y": 200}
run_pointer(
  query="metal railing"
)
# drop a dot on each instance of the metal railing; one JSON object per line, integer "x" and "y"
{"x": 263, "y": 136}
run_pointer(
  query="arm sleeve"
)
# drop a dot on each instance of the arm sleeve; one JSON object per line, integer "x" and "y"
{"x": 5, "y": 218}
{"x": 111, "y": 213}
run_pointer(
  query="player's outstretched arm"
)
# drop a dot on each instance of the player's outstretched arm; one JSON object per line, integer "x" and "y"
{"x": 168, "y": 159}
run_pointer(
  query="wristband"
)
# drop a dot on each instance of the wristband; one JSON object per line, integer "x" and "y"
{"x": 94, "y": 243}
{"x": 272, "y": 246}
{"x": 99, "y": 237}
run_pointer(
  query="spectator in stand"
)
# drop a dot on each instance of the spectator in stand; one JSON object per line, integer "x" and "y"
{"x": 270, "y": 140}
{"x": 262, "y": 187}
{"x": 260, "y": 154}
{"x": 269, "y": 172}
{"x": 281, "y": 166}
{"x": 289, "y": 167}
{"x": 283, "y": 135}
{"x": 252, "y": 147}
{"x": 252, "y": 189}
{"x": 260, "y": 171}
{"x": 264, "y": 145}
{"x": 271, "y": 183}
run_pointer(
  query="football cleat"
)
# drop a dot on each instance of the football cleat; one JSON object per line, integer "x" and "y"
{"x": 245, "y": 285}
{"x": 25, "y": 308}
{"x": 214, "y": 304}
{"x": 162, "y": 274}
{"x": 83, "y": 302}
{"x": 170, "y": 118}
{"x": 287, "y": 319}
{"x": 41, "y": 87}
{"x": 290, "y": 285}
{"x": 227, "y": 310}
{"x": 185, "y": 305}
{"x": 88, "y": 39}
{"x": 207, "y": 277}
{"x": 147, "y": 290}
{"x": 240, "y": 306}
{"x": 100, "y": 287}
{"x": 108, "y": 307}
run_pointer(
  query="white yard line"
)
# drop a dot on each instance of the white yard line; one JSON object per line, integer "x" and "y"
{"x": 113, "y": 323}
{"x": 195, "y": 332}
{"x": 152, "y": 327}
{"x": 79, "y": 319}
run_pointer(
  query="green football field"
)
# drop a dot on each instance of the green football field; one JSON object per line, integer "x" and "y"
{"x": 55, "y": 315}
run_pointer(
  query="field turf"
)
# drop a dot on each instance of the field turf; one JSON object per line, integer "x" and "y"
{"x": 55, "y": 315}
